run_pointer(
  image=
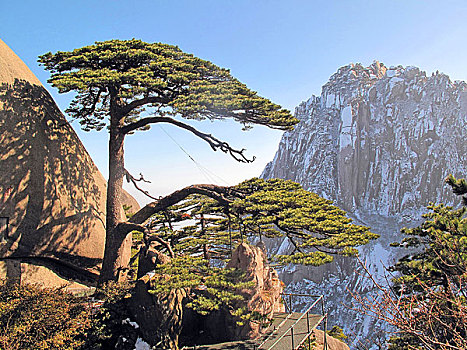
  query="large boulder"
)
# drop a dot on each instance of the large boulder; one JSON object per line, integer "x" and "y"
{"x": 50, "y": 190}
{"x": 331, "y": 343}
{"x": 262, "y": 298}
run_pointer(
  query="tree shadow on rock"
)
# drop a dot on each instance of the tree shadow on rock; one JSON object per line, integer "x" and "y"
{"x": 49, "y": 187}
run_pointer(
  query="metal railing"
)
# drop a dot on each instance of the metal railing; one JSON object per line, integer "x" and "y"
{"x": 290, "y": 329}
{"x": 307, "y": 314}
{"x": 274, "y": 332}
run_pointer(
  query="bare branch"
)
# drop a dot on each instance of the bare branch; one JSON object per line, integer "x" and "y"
{"x": 165, "y": 244}
{"x": 133, "y": 180}
{"x": 289, "y": 236}
{"x": 211, "y": 140}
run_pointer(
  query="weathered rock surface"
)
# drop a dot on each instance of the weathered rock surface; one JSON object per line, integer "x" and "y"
{"x": 332, "y": 343}
{"x": 379, "y": 142}
{"x": 265, "y": 296}
{"x": 50, "y": 189}
{"x": 159, "y": 317}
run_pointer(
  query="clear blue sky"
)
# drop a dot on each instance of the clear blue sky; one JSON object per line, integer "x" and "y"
{"x": 286, "y": 50}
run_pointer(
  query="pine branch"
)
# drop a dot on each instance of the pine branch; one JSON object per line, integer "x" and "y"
{"x": 213, "y": 191}
{"x": 459, "y": 187}
{"x": 214, "y": 142}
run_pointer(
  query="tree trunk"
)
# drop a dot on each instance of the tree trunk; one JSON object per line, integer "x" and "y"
{"x": 116, "y": 262}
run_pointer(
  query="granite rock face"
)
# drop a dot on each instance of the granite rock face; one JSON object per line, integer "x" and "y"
{"x": 50, "y": 190}
{"x": 379, "y": 142}
{"x": 265, "y": 296}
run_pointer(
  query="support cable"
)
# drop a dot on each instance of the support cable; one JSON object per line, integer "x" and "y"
{"x": 210, "y": 176}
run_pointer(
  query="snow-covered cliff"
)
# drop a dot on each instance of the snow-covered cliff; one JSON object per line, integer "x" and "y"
{"x": 379, "y": 142}
{"x": 378, "y": 139}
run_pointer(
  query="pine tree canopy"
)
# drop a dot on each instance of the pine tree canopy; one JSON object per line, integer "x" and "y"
{"x": 316, "y": 229}
{"x": 156, "y": 76}
{"x": 201, "y": 233}
{"x": 128, "y": 85}
{"x": 443, "y": 237}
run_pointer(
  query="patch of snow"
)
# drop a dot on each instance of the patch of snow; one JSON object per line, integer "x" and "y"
{"x": 345, "y": 139}
{"x": 141, "y": 345}
{"x": 346, "y": 116}
{"x": 284, "y": 247}
{"x": 394, "y": 81}
{"x": 131, "y": 323}
{"x": 330, "y": 100}
{"x": 391, "y": 73}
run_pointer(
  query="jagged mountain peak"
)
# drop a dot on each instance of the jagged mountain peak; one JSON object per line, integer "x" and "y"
{"x": 379, "y": 142}
{"x": 378, "y": 139}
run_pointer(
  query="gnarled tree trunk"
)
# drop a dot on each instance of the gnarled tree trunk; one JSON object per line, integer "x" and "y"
{"x": 118, "y": 242}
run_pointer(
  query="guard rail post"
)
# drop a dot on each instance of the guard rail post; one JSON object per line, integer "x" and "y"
{"x": 291, "y": 334}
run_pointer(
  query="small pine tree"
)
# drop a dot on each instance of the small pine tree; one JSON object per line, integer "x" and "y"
{"x": 427, "y": 301}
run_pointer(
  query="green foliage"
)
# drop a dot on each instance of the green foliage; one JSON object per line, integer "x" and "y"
{"x": 433, "y": 281}
{"x": 459, "y": 186}
{"x": 32, "y": 317}
{"x": 443, "y": 260}
{"x": 162, "y": 77}
{"x": 109, "y": 310}
{"x": 404, "y": 342}
{"x": 211, "y": 287}
{"x": 127, "y": 210}
{"x": 202, "y": 233}
{"x": 271, "y": 208}
{"x": 120, "y": 79}
{"x": 317, "y": 229}
{"x": 310, "y": 344}
{"x": 337, "y": 332}
{"x": 137, "y": 242}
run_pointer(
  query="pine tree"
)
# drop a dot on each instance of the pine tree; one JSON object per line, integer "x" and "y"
{"x": 118, "y": 80}
{"x": 426, "y": 302}
{"x": 200, "y": 232}
{"x": 433, "y": 282}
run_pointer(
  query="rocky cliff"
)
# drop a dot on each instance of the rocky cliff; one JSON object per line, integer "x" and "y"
{"x": 379, "y": 142}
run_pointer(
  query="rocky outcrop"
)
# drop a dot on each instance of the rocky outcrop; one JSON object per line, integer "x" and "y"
{"x": 331, "y": 343}
{"x": 265, "y": 296}
{"x": 50, "y": 189}
{"x": 379, "y": 142}
{"x": 159, "y": 317}
{"x": 163, "y": 319}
